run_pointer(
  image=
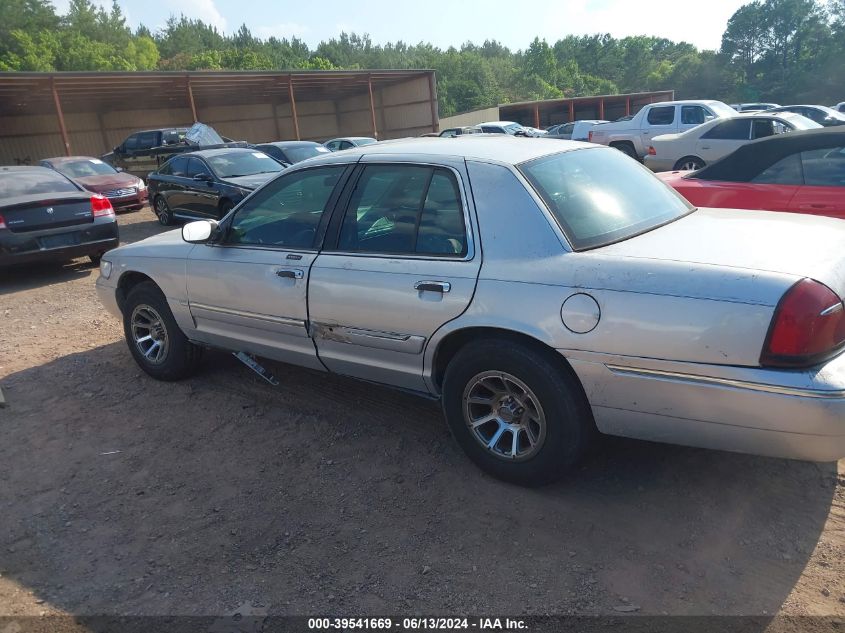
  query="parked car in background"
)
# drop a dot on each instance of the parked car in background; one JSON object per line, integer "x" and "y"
{"x": 502, "y": 127}
{"x": 753, "y": 107}
{"x": 145, "y": 151}
{"x": 557, "y": 128}
{"x": 634, "y": 136}
{"x": 123, "y": 190}
{"x": 800, "y": 172}
{"x": 575, "y": 130}
{"x": 840, "y": 107}
{"x": 207, "y": 183}
{"x": 715, "y": 139}
{"x": 290, "y": 152}
{"x": 823, "y": 115}
{"x": 348, "y": 142}
{"x": 46, "y": 216}
{"x": 631, "y": 313}
{"x": 459, "y": 131}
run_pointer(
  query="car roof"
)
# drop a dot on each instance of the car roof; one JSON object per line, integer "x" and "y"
{"x": 23, "y": 168}
{"x": 69, "y": 159}
{"x": 289, "y": 144}
{"x": 499, "y": 148}
{"x": 208, "y": 153}
{"x": 348, "y": 138}
{"x": 502, "y": 123}
{"x": 752, "y": 158}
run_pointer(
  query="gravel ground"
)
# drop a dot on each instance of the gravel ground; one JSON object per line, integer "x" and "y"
{"x": 122, "y": 495}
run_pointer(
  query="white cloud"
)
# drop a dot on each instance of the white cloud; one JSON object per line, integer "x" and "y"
{"x": 206, "y": 11}
{"x": 281, "y": 30}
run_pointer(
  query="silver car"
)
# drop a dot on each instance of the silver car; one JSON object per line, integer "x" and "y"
{"x": 543, "y": 291}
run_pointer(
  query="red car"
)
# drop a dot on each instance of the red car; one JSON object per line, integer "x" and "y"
{"x": 124, "y": 191}
{"x": 800, "y": 172}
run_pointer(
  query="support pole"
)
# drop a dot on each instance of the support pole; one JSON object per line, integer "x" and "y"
{"x": 191, "y": 99}
{"x": 571, "y": 112}
{"x": 372, "y": 105}
{"x": 62, "y": 128}
{"x": 432, "y": 100}
{"x": 601, "y": 108}
{"x": 536, "y": 116}
{"x": 293, "y": 108}
{"x": 627, "y": 106}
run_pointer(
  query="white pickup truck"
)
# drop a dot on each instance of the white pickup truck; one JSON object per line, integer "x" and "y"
{"x": 633, "y": 136}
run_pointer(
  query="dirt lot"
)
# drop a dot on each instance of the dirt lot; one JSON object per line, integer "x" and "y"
{"x": 119, "y": 494}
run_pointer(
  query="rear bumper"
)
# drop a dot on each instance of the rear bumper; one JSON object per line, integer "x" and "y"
{"x": 88, "y": 239}
{"x": 791, "y": 414}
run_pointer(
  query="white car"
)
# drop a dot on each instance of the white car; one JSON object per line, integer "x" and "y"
{"x": 839, "y": 107}
{"x": 715, "y": 139}
{"x": 501, "y": 127}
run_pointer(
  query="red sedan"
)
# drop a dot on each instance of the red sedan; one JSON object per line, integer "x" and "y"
{"x": 123, "y": 190}
{"x": 799, "y": 172}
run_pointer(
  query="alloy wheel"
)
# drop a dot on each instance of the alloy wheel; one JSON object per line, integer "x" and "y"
{"x": 149, "y": 333}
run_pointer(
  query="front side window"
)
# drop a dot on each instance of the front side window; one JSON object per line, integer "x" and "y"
{"x": 824, "y": 167}
{"x": 286, "y": 212}
{"x": 599, "y": 197}
{"x": 663, "y": 115}
{"x": 405, "y": 210}
{"x": 787, "y": 171}
{"x": 731, "y": 130}
{"x": 177, "y": 166}
{"x": 147, "y": 140}
{"x": 346, "y": 145}
{"x": 131, "y": 142}
{"x": 197, "y": 167}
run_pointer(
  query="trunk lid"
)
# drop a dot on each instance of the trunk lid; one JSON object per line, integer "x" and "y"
{"x": 766, "y": 241}
{"x": 35, "y": 212}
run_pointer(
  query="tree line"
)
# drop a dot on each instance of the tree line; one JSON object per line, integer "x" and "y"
{"x": 788, "y": 51}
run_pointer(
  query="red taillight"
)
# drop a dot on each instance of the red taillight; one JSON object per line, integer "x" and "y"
{"x": 2, "y": 222}
{"x": 808, "y": 327}
{"x": 590, "y": 136}
{"x": 101, "y": 207}
{"x": 652, "y": 151}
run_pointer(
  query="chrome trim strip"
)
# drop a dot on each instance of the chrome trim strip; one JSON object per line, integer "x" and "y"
{"x": 836, "y": 307}
{"x": 250, "y": 315}
{"x": 726, "y": 382}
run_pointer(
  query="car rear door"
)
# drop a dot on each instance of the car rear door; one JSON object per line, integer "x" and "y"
{"x": 399, "y": 262}
{"x": 722, "y": 139}
{"x": 249, "y": 291}
{"x": 202, "y": 197}
{"x": 172, "y": 184}
{"x": 823, "y": 192}
{"x": 771, "y": 190}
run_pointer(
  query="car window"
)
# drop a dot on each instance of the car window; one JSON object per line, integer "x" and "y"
{"x": 492, "y": 130}
{"x": 24, "y": 183}
{"x": 242, "y": 163}
{"x": 345, "y": 145}
{"x": 761, "y": 128}
{"x": 824, "y": 167}
{"x": 694, "y": 115}
{"x": 332, "y": 146}
{"x": 599, "y": 197}
{"x": 731, "y": 130}
{"x": 178, "y": 166}
{"x": 196, "y": 167}
{"x": 787, "y": 171}
{"x": 285, "y": 212}
{"x": 567, "y": 129}
{"x": 147, "y": 140}
{"x": 449, "y": 133}
{"x": 663, "y": 115}
{"x": 404, "y": 209}
{"x": 272, "y": 151}
{"x": 131, "y": 142}
{"x": 173, "y": 137}
{"x": 85, "y": 167}
{"x": 304, "y": 152}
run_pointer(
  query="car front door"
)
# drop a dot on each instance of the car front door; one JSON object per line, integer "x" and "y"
{"x": 659, "y": 120}
{"x": 249, "y": 291}
{"x": 823, "y": 192}
{"x": 172, "y": 184}
{"x": 202, "y": 191}
{"x": 399, "y": 262}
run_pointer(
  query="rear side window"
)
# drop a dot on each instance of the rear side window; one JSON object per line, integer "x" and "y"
{"x": 824, "y": 167}
{"x": 663, "y": 115}
{"x": 787, "y": 171}
{"x": 761, "y": 128}
{"x": 24, "y": 183}
{"x": 196, "y": 167}
{"x": 600, "y": 196}
{"x": 403, "y": 210}
{"x": 732, "y": 130}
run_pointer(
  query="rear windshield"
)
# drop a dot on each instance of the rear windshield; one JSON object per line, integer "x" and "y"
{"x": 601, "y": 196}
{"x": 83, "y": 168}
{"x": 297, "y": 154}
{"x": 244, "y": 163}
{"x": 24, "y": 183}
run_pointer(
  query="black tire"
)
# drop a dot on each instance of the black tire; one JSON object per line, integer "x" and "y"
{"x": 569, "y": 425}
{"x": 225, "y": 207}
{"x": 627, "y": 149}
{"x": 689, "y": 163}
{"x": 162, "y": 211}
{"x": 95, "y": 259}
{"x": 181, "y": 357}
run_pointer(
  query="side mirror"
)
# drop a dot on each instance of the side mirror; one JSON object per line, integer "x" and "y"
{"x": 198, "y": 232}
{"x": 119, "y": 169}
{"x": 202, "y": 177}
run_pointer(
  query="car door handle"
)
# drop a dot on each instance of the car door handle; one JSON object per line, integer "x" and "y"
{"x": 433, "y": 286}
{"x": 290, "y": 273}
{"x": 705, "y": 147}
{"x": 814, "y": 205}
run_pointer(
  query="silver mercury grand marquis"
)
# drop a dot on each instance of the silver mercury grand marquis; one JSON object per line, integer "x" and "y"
{"x": 543, "y": 291}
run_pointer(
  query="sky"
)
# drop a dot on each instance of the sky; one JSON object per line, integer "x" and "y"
{"x": 445, "y": 23}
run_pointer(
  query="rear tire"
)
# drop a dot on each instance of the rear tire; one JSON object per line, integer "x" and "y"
{"x": 95, "y": 259}
{"x": 627, "y": 149}
{"x": 535, "y": 405}
{"x": 155, "y": 341}
{"x": 689, "y": 163}
{"x": 162, "y": 211}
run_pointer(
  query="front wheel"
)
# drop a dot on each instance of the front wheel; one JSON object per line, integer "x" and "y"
{"x": 155, "y": 341}
{"x": 516, "y": 411}
{"x": 163, "y": 212}
{"x": 689, "y": 163}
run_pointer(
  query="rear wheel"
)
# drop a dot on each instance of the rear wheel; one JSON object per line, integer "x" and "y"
{"x": 516, "y": 412}
{"x": 689, "y": 163}
{"x": 162, "y": 211}
{"x": 95, "y": 259}
{"x": 627, "y": 149}
{"x": 155, "y": 341}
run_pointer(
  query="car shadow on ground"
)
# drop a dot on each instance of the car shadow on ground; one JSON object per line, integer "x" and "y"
{"x": 120, "y": 494}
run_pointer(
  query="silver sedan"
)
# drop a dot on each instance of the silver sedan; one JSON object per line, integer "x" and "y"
{"x": 542, "y": 291}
